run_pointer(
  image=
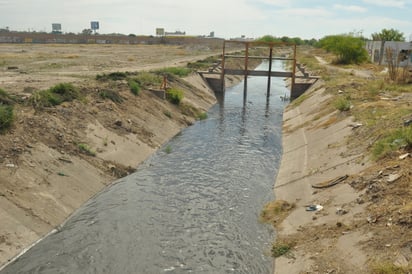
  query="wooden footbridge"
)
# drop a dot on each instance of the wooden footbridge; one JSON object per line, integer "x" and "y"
{"x": 256, "y": 50}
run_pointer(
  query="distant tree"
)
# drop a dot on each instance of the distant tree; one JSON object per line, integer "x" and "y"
{"x": 349, "y": 49}
{"x": 87, "y": 32}
{"x": 311, "y": 42}
{"x": 286, "y": 39}
{"x": 388, "y": 35}
{"x": 268, "y": 38}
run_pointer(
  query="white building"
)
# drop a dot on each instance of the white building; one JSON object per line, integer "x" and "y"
{"x": 401, "y": 52}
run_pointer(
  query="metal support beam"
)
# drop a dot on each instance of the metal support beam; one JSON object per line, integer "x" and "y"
{"x": 270, "y": 71}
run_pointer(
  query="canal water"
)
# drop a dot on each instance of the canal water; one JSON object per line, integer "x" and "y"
{"x": 193, "y": 207}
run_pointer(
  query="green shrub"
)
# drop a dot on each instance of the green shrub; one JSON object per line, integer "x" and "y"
{"x": 203, "y": 64}
{"x": 45, "y": 98}
{"x": 134, "y": 87}
{"x": 84, "y": 148}
{"x": 5, "y": 98}
{"x": 168, "y": 113}
{"x": 112, "y": 95}
{"x": 342, "y": 104}
{"x": 54, "y": 96}
{"x": 146, "y": 79}
{"x": 387, "y": 268}
{"x": 67, "y": 91}
{"x": 280, "y": 249}
{"x": 177, "y": 71}
{"x": 202, "y": 116}
{"x": 112, "y": 76}
{"x": 6, "y": 117}
{"x": 174, "y": 95}
{"x": 349, "y": 49}
{"x": 168, "y": 149}
{"x": 393, "y": 141}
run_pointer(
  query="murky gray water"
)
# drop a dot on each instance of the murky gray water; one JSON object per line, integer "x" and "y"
{"x": 194, "y": 210}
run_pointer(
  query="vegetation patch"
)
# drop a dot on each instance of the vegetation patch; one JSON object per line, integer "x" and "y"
{"x": 342, "y": 104}
{"x": 281, "y": 248}
{"x": 115, "y": 76}
{"x": 168, "y": 149}
{"x": 175, "y": 96}
{"x": 64, "y": 92}
{"x": 176, "y": 71}
{"x": 388, "y": 268}
{"x": 348, "y": 49}
{"x": 202, "y": 116}
{"x": 6, "y": 99}
{"x": 203, "y": 64}
{"x": 134, "y": 87}
{"x": 84, "y": 148}
{"x": 167, "y": 113}
{"x": 276, "y": 211}
{"x": 111, "y": 95}
{"x": 6, "y": 117}
{"x": 147, "y": 79}
{"x": 395, "y": 140}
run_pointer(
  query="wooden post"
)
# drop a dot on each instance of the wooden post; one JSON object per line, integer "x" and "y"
{"x": 222, "y": 74}
{"x": 293, "y": 70}
{"x": 270, "y": 70}
{"x": 246, "y": 68}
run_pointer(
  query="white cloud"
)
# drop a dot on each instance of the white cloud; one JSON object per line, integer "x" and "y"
{"x": 279, "y": 3}
{"x": 350, "y": 8}
{"x": 306, "y": 12}
{"x": 386, "y": 3}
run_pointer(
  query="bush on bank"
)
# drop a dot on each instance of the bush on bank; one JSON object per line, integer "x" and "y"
{"x": 64, "y": 92}
{"x": 6, "y": 111}
{"x": 175, "y": 96}
{"x": 348, "y": 49}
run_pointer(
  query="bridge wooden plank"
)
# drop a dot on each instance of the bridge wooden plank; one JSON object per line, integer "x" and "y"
{"x": 258, "y": 73}
{"x": 258, "y": 57}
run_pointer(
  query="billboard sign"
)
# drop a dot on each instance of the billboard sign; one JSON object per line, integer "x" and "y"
{"x": 160, "y": 31}
{"x": 94, "y": 25}
{"x": 56, "y": 27}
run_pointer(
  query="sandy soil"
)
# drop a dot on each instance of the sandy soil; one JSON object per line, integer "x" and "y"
{"x": 44, "y": 176}
{"x": 364, "y": 220}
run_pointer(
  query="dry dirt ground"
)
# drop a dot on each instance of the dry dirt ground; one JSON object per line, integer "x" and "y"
{"x": 364, "y": 222}
{"x": 44, "y": 173}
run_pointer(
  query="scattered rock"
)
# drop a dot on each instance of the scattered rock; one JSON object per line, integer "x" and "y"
{"x": 65, "y": 159}
{"x": 393, "y": 177}
{"x": 340, "y": 211}
{"x": 404, "y": 156}
{"x": 355, "y": 125}
{"x": 314, "y": 208}
{"x": 118, "y": 123}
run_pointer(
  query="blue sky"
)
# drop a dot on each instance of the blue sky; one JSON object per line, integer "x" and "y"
{"x": 227, "y": 18}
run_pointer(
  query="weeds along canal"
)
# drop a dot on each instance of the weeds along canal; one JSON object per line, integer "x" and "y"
{"x": 193, "y": 207}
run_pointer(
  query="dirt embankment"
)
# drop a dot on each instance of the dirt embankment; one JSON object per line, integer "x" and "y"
{"x": 363, "y": 223}
{"x": 53, "y": 159}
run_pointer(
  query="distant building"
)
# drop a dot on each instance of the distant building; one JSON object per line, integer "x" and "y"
{"x": 160, "y": 32}
{"x": 401, "y": 52}
{"x": 176, "y": 33}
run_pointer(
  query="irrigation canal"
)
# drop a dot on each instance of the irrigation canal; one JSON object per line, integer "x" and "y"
{"x": 193, "y": 210}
